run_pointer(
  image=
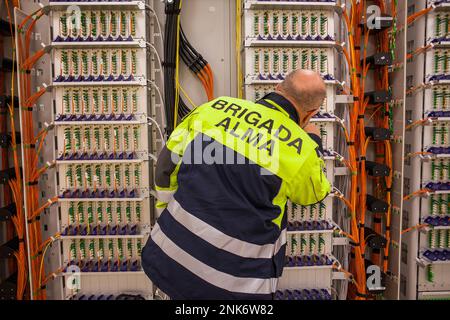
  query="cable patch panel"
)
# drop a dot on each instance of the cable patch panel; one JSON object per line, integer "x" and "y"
{"x": 438, "y": 3}
{"x": 311, "y": 244}
{"x": 102, "y": 194}
{"x": 278, "y": 41}
{"x": 92, "y": 176}
{"x": 95, "y": 218}
{"x": 437, "y": 255}
{"x": 315, "y": 225}
{"x": 105, "y": 25}
{"x": 106, "y": 103}
{"x": 314, "y": 260}
{"x": 292, "y": 25}
{"x": 101, "y": 230}
{"x": 438, "y": 151}
{"x": 440, "y": 170}
{"x": 107, "y": 297}
{"x": 101, "y": 139}
{"x": 104, "y": 255}
{"x": 99, "y": 104}
{"x": 307, "y": 213}
{"x": 438, "y": 187}
{"x": 303, "y": 294}
{"x": 438, "y": 221}
{"x": 434, "y": 238}
{"x": 275, "y": 63}
{"x": 441, "y": 27}
{"x": 438, "y": 239}
{"x": 98, "y": 213}
{"x": 440, "y": 98}
{"x": 441, "y": 61}
{"x": 438, "y": 204}
{"x": 440, "y": 134}
{"x": 98, "y": 157}
{"x": 91, "y": 65}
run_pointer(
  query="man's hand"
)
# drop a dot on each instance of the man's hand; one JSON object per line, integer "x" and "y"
{"x": 312, "y": 128}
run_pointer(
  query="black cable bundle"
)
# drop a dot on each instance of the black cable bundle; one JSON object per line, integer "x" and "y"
{"x": 183, "y": 109}
{"x": 172, "y": 11}
{"x": 190, "y": 56}
{"x": 197, "y": 64}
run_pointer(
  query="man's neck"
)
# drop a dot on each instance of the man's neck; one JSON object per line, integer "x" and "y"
{"x": 285, "y": 103}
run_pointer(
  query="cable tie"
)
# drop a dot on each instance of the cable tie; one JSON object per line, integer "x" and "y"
{"x": 174, "y": 11}
{"x": 361, "y": 116}
{"x": 169, "y": 64}
{"x": 29, "y": 146}
{"x": 389, "y": 189}
{"x": 35, "y": 219}
{"x": 388, "y": 228}
{"x": 350, "y": 143}
{"x": 377, "y": 220}
{"x": 386, "y": 257}
{"x": 32, "y": 183}
{"x": 29, "y": 109}
{"x": 354, "y": 243}
{"x": 52, "y": 238}
{"x": 362, "y": 295}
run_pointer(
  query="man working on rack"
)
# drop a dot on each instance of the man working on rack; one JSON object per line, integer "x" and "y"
{"x": 223, "y": 181}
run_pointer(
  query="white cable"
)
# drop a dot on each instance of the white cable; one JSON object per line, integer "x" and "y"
{"x": 158, "y": 57}
{"x": 157, "y": 53}
{"x": 161, "y": 100}
{"x": 157, "y": 22}
{"x": 154, "y": 158}
{"x": 159, "y": 129}
{"x": 157, "y": 89}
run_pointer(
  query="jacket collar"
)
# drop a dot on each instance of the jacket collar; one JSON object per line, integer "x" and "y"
{"x": 276, "y": 101}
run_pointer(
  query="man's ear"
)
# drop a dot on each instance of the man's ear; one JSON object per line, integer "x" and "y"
{"x": 306, "y": 117}
{"x": 311, "y": 114}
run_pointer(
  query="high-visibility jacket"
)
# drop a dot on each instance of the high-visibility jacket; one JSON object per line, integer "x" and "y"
{"x": 222, "y": 182}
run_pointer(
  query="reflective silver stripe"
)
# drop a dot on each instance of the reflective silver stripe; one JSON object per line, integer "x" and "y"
{"x": 209, "y": 274}
{"x": 222, "y": 241}
{"x": 164, "y": 195}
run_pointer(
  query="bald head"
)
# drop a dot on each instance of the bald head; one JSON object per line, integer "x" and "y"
{"x": 305, "y": 88}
